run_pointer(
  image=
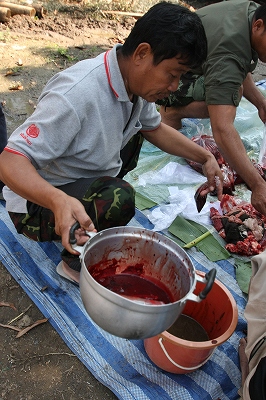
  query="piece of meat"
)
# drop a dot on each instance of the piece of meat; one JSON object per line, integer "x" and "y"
{"x": 248, "y": 247}
{"x": 240, "y": 225}
{"x": 231, "y": 178}
{"x": 208, "y": 143}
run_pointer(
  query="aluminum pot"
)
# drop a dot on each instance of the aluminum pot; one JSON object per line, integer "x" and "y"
{"x": 162, "y": 259}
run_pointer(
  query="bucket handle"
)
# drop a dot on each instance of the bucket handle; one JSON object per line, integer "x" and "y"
{"x": 160, "y": 340}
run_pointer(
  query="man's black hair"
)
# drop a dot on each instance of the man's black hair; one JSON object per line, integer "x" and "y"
{"x": 170, "y": 30}
{"x": 260, "y": 13}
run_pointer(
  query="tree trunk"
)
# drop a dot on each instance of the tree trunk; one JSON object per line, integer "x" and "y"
{"x": 18, "y": 9}
{"x": 5, "y": 14}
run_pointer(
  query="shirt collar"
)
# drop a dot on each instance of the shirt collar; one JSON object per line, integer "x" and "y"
{"x": 114, "y": 75}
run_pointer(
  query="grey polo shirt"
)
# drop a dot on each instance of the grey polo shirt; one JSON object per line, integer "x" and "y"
{"x": 82, "y": 120}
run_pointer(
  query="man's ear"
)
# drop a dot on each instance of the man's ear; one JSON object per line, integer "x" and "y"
{"x": 142, "y": 51}
{"x": 258, "y": 25}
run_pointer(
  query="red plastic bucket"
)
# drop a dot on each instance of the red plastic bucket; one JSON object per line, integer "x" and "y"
{"x": 217, "y": 314}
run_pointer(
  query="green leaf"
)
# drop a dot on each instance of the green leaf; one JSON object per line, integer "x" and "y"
{"x": 243, "y": 274}
{"x": 142, "y": 202}
{"x": 189, "y": 230}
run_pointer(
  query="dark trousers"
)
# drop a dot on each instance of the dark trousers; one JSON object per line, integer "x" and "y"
{"x": 109, "y": 201}
{"x": 257, "y": 385}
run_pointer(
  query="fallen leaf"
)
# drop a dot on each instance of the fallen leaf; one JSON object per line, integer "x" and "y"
{"x": 23, "y": 331}
{"x": 13, "y": 73}
{"x": 14, "y": 328}
{"x": 18, "y": 87}
{"x": 3, "y": 304}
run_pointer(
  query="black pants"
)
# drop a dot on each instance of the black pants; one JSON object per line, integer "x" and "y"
{"x": 257, "y": 384}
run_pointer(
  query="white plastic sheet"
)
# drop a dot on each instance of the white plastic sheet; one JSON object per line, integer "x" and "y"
{"x": 172, "y": 173}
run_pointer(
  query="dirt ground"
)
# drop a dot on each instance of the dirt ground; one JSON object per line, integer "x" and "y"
{"x": 39, "y": 365}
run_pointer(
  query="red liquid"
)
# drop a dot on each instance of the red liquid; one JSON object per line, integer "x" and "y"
{"x": 131, "y": 283}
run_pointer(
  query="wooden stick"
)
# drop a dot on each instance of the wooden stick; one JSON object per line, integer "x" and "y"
{"x": 5, "y": 14}
{"x": 130, "y": 14}
{"x": 18, "y": 9}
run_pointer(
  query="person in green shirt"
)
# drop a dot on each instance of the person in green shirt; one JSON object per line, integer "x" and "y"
{"x": 236, "y": 36}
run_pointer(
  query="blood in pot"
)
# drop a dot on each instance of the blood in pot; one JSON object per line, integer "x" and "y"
{"x": 131, "y": 282}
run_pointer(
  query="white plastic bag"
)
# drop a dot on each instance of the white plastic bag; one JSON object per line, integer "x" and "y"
{"x": 181, "y": 202}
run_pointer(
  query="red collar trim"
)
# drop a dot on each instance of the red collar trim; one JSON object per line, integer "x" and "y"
{"x": 107, "y": 69}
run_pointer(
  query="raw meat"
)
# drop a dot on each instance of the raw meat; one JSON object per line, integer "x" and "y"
{"x": 240, "y": 225}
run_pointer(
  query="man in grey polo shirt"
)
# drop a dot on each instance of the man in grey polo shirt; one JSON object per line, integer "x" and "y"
{"x": 66, "y": 162}
{"x": 236, "y": 35}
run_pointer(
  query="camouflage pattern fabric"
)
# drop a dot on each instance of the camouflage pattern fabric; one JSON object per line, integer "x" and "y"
{"x": 190, "y": 88}
{"x": 109, "y": 201}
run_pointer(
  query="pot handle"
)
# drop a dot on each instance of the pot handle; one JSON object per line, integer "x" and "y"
{"x": 73, "y": 240}
{"x": 209, "y": 277}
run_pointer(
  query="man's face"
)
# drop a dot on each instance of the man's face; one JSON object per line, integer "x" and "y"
{"x": 258, "y": 39}
{"x": 153, "y": 82}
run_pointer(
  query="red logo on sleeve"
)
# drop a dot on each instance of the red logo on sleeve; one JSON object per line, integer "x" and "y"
{"x": 33, "y": 131}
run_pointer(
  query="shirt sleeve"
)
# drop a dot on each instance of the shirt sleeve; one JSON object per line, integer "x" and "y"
{"x": 150, "y": 118}
{"x": 223, "y": 77}
{"x": 48, "y": 132}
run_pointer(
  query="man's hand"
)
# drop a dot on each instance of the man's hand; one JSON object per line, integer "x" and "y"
{"x": 214, "y": 177}
{"x": 68, "y": 210}
{"x": 262, "y": 110}
{"x": 258, "y": 197}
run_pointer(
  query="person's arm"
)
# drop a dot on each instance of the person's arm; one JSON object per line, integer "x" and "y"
{"x": 231, "y": 146}
{"x": 174, "y": 142}
{"x": 20, "y": 176}
{"x": 253, "y": 94}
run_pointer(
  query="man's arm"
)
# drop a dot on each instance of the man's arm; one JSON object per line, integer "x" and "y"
{"x": 20, "y": 176}
{"x": 231, "y": 146}
{"x": 174, "y": 142}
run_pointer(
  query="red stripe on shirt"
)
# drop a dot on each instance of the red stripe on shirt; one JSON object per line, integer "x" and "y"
{"x": 108, "y": 72}
{"x": 15, "y": 152}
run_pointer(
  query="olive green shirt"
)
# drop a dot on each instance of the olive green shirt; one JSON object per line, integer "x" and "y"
{"x": 230, "y": 57}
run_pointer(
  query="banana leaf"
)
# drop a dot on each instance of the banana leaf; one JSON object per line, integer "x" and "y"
{"x": 187, "y": 231}
{"x": 243, "y": 274}
{"x": 142, "y": 202}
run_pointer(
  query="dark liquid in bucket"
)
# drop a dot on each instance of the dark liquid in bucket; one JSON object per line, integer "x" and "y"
{"x": 131, "y": 284}
{"x": 188, "y": 328}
